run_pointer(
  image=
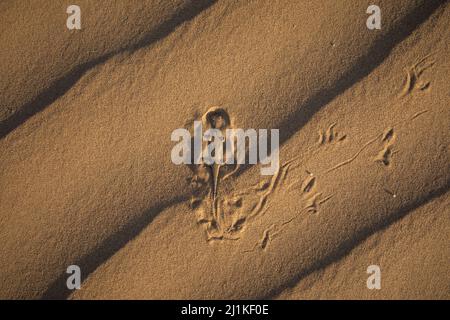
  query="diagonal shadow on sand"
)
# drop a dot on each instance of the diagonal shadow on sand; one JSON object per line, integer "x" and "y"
{"x": 63, "y": 84}
{"x": 346, "y": 247}
{"x": 90, "y": 262}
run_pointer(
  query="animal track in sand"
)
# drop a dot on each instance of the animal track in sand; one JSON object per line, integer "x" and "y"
{"x": 413, "y": 76}
{"x": 309, "y": 195}
{"x": 224, "y": 216}
{"x": 268, "y": 235}
{"x": 308, "y": 184}
{"x": 312, "y": 198}
{"x": 351, "y": 159}
{"x": 385, "y": 155}
{"x": 330, "y": 136}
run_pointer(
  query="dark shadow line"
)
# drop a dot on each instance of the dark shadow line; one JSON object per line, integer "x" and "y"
{"x": 60, "y": 86}
{"x": 376, "y": 54}
{"x": 347, "y": 246}
{"x": 47, "y": 97}
{"x": 106, "y": 249}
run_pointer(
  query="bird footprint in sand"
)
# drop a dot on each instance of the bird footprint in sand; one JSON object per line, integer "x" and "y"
{"x": 386, "y": 153}
{"x": 330, "y": 135}
{"x": 413, "y": 76}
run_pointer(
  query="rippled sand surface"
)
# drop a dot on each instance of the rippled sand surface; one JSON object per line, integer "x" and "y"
{"x": 86, "y": 176}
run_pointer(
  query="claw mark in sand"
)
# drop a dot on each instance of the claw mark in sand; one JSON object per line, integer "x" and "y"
{"x": 385, "y": 155}
{"x": 268, "y": 235}
{"x": 308, "y": 184}
{"x": 413, "y": 76}
{"x": 388, "y": 135}
{"x": 312, "y": 205}
{"x": 330, "y": 136}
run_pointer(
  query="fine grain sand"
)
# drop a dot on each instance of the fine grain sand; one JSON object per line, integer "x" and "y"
{"x": 86, "y": 176}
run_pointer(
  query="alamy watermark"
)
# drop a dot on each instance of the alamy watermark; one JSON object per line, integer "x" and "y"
{"x": 228, "y": 148}
{"x": 222, "y": 145}
{"x": 374, "y": 280}
{"x": 374, "y": 20}
{"x": 73, "y": 21}
{"x": 74, "y": 280}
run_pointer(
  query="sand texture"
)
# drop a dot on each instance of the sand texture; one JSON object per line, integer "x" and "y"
{"x": 86, "y": 176}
